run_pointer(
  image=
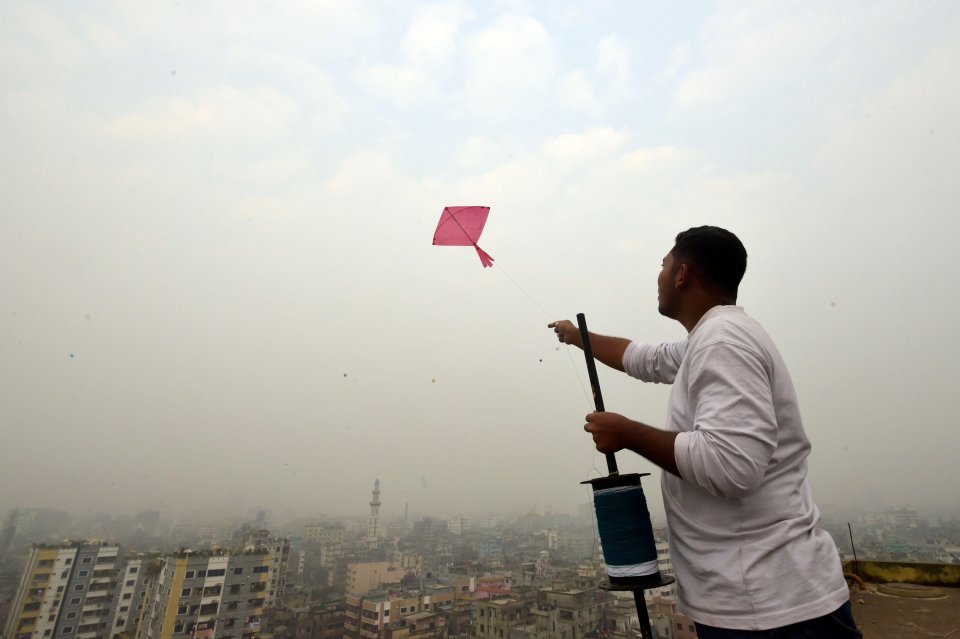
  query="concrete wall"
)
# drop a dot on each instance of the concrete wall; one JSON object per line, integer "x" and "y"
{"x": 900, "y": 572}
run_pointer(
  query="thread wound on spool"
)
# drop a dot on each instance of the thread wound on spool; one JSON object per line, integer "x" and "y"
{"x": 626, "y": 534}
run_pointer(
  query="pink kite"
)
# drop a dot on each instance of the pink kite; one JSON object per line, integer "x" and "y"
{"x": 462, "y": 226}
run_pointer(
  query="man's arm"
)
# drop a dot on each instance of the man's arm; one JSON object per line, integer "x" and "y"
{"x": 606, "y": 349}
{"x": 612, "y": 432}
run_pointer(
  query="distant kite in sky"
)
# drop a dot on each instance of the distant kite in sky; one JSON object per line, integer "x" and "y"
{"x": 462, "y": 226}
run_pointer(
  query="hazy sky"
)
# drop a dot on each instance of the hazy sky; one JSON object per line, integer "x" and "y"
{"x": 219, "y": 289}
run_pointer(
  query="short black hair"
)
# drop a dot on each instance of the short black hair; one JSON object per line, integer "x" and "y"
{"x": 716, "y": 254}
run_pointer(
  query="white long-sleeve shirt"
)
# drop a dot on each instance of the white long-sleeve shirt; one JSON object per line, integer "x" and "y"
{"x": 743, "y": 526}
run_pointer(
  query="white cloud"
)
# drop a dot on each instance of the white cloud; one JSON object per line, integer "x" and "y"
{"x": 678, "y": 59}
{"x": 479, "y": 151}
{"x": 430, "y": 44}
{"x": 402, "y": 85}
{"x": 510, "y": 66}
{"x": 750, "y": 48}
{"x": 224, "y": 112}
{"x": 431, "y": 38}
{"x": 576, "y": 92}
{"x": 613, "y": 63}
{"x": 589, "y": 147}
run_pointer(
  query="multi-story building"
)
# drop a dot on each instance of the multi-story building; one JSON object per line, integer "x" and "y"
{"x": 622, "y": 618}
{"x": 458, "y": 525}
{"x": 496, "y": 617}
{"x": 364, "y": 577}
{"x": 580, "y": 612}
{"x": 665, "y": 565}
{"x": 209, "y": 595}
{"x": 321, "y": 621}
{"x": 324, "y": 534}
{"x": 368, "y": 615}
{"x": 668, "y": 622}
{"x": 134, "y": 577}
{"x": 279, "y": 550}
{"x": 418, "y": 613}
{"x": 67, "y": 590}
{"x": 419, "y": 625}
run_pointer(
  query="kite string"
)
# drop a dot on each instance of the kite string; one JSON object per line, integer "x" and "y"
{"x": 573, "y": 364}
{"x": 547, "y": 313}
{"x": 549, "y": 316}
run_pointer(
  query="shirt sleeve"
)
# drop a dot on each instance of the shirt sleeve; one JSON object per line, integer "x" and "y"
{"x": 656, "y": 363}
{"x": 734, "y": 433}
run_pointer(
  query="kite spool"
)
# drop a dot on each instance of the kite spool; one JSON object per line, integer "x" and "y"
{"x": 626, "y": 533}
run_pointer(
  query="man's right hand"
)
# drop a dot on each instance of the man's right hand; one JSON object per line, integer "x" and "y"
{"x": 567, "y": 332}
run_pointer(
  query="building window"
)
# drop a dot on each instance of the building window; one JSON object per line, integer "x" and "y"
{"x": 219, "y": 572}
{"x": 124, "y": 608}
{"x": 189, "y": 575}
{"x": 83, "y": 573}
{"x": 131, "y": 582}
{"x": 201, "y": 574}
{"x": 74, "y": 601}
{"x": 46, "y": 633}
{"x": 71, "y": 615}
{"x": 126, "y": 596}
{"x": 185, "y": 592}
{"x": 85, "y": 560}
{"x": 260, "y": 569}
{"x": 68, "y": 561}
{"x": 133, "y": 570}
{"x": 78, "y": 587}
{"x": 67, "y": 630}
{"x": 238, "y": 571}
{"x": 182, "y": 610}
{"x": 59, "y": 589}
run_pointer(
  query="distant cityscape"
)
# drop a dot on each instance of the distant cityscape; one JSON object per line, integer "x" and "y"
{"x": 534, "y": 576}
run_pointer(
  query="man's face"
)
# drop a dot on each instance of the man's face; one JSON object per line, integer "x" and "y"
{"x": 666, "y": 292}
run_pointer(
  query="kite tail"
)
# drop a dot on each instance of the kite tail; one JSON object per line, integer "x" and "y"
{"x": 485, "y": 258}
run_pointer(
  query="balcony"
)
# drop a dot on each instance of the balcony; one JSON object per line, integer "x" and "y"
{"x": 35, "y": 593}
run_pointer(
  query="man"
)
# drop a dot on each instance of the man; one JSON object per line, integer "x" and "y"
{"x": 747, "y": 553}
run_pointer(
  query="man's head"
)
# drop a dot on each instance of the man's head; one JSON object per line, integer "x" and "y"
{"x": 707, "y": 258}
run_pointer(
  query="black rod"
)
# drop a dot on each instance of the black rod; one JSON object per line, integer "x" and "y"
{"x": 640, "y": 601}
{"x": 594, "y": 382}
{"x": 646, "y": 632}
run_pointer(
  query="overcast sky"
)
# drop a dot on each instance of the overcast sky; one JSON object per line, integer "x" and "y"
{"x": 219, "y": 290}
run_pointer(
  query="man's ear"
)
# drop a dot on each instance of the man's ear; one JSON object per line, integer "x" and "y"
{"x": 682, "y": 277}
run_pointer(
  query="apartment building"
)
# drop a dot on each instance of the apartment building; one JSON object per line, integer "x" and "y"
{"x": 325, "y": 534}
{"x": 418, "y": 613}
{"x": 279, "y": 550}
{"x": 367, "y": 615}
{"x": 208, "y": 595}
{"x": 66, "y": 590}
{"x": 365, "y": 577}
{"x": 496, "y": 617}
{"x": 580, "y": 612}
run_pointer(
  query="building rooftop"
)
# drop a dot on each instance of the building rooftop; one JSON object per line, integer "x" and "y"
{"x": 905, "y": 616}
